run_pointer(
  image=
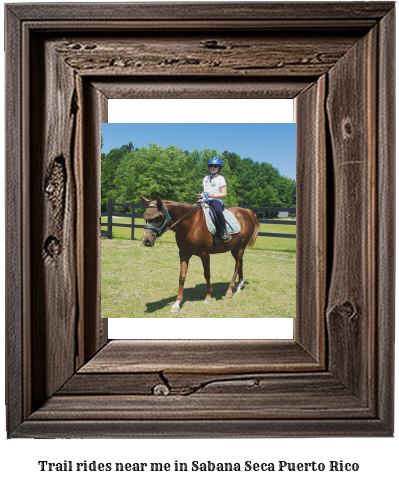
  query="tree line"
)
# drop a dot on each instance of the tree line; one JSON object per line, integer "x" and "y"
{"x": 175, "y": 174}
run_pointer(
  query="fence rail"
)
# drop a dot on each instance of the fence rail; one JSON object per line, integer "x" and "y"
{"x": 256, "y": 209}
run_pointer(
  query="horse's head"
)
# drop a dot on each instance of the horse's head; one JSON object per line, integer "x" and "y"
{"x": 156, "y": 219}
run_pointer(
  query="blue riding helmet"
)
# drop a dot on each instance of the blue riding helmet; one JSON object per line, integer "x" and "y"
{"x": 216, "y": 160}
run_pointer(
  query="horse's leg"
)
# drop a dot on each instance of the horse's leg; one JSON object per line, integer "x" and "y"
{"x": 240, "y": 275}
{"x": 184, "y": 260}
{"x": 207, "y": 274}
{"x": 237, "y": 254}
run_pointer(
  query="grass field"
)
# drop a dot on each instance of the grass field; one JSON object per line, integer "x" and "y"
{"x": 262, "y": 243}
{"x": 141, "y": 282}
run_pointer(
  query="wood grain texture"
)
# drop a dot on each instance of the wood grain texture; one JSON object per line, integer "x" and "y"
{"x": 352, "y": 127}
{"x": 192, "y": 54}
{"x": 385, "y": 245}
{"x": 269, "y": 396}
{"x": 200, "y": 356}
{"x": 53, "y": 210}
{"x": 66, "y": 62}
{"x": 274, "y": 428}
{"x": 175, "y": 87}
{"x": 103, "y": 118}
{"x": 203, "y": 407}
{"x": 95, "y": 330}
{"x": 359, "y": 13}
{"x": 112, "y": 384}
{"x": 14, "y": 236}
{"x": 312, "y": 190}
{"x": 311, "y": 218}
{"x": 184, "y": 384}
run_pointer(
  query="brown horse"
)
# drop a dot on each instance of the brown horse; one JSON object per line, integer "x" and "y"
{"x": 193, "y": 238}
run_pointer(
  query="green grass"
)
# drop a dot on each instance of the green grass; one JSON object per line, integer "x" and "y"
{"x": 262, "y": 243}
{"x": 141, "y": 282}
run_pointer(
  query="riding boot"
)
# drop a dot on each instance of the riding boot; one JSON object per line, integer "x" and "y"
{"x": 225, "y": 236}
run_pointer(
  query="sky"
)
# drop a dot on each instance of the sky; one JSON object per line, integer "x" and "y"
{"x": 273, "y": 143}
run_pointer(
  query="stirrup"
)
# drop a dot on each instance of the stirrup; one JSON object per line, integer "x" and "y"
{"x": 226, "y": 236}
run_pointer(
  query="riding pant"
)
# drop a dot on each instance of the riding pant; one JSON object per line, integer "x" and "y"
{"x": 218, "y": 206}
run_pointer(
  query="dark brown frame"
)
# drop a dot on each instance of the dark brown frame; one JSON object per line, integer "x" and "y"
{"x": 64, "y": 379}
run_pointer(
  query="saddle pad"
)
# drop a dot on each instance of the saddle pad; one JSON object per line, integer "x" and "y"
{"x": 232, "y": 225}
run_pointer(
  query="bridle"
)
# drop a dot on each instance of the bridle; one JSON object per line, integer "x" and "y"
{"x": 161, "y": 230}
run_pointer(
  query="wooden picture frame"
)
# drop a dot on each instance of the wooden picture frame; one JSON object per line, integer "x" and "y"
{"x": 64, "y": 378}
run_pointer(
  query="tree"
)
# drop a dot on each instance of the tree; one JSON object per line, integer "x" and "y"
{"x": 153, "y": 172}
{"x": 109, "y": 166}
{"x": 232, "y": 159}
{"x": 176, "y": 174}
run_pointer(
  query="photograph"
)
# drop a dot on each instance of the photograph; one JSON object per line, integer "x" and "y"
{"x": 199, "y": 243}
{"x": 185, "y": 206}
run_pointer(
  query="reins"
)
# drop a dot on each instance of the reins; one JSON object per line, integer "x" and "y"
{"x": 161, "y": 230}
{"x": 192, "y": 209}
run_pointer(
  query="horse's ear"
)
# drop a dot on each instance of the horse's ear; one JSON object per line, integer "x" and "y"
{"x": 159, "y": 203}
{"x": 145, "y": 200}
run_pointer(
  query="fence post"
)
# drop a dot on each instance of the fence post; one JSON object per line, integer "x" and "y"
{"x": 133, "y": 213}
{"x": 241, "y": 203}
{"x": 109, "y": 218}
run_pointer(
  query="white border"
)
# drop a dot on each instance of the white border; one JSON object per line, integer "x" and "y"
{"x": 200, "y": 111}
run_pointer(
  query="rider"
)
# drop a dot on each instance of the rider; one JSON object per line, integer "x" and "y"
{"x": 214, "y": 190}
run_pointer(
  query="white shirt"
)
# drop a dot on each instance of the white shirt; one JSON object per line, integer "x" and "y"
{"x": 213, "y": 186}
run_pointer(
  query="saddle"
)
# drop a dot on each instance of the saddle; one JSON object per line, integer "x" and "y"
{"x": 232, "y": 225}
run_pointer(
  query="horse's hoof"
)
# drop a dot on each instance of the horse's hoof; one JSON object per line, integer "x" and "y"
{"x": 207, "y": 301}
{"x": 228, "y": 296}
{"x": 176, "y": 307}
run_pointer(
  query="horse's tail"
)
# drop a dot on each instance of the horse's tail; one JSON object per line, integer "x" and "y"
{"x": 256, "y": 229}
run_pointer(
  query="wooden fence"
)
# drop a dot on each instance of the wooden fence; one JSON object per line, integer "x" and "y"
{"x": 256, "y": 209}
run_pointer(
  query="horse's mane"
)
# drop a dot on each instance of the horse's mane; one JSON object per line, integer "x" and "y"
{"x": 151, "y": 213}
{"x": 179, "y": 205}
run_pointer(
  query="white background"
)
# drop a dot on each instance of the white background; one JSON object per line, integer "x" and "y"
{"x": 377, "y": 457}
